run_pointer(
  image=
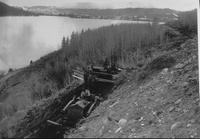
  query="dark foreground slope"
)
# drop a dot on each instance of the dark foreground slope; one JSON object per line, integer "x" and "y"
{"x": 164, "y": 104}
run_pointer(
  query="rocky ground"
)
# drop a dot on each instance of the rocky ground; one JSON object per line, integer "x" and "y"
{"x": 166, "y": 104}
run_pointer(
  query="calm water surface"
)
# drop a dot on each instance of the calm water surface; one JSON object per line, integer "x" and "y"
{"x": 28, "y": 38}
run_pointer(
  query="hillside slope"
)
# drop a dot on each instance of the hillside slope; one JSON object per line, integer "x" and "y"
{"x": 160, "y": 100}
{"x": 6, "y": 10}
{"x": 19, "y": 90}
{"x": 166, "y": 104}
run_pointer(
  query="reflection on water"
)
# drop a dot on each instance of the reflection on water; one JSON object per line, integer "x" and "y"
{"x": 28, "y": 38}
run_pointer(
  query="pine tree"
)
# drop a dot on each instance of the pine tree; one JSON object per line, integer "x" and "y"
{"x": 63, "y": 43}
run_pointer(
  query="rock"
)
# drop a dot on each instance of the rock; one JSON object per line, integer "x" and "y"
{"x": 169, "y": 81}
{"x": 141, "y": 118}
{"x": 114, "y": 104}
{"x": 193, "y": 81}
{"x": 131, "y": 135}
{"x": 112, "y": 116}
{"x": 178, "y": 109}
{"x": 185, "y": 84}
{"x": 122, "y": 122}
{"x": 192, "y": 121}
{"x": 158, "y": 113}
{"x": 189, "y": 125}
{"x": 194, "y": 57}
{"x": 171, "y": 109}
{"x": 178, "y": 101}
{"x": 179, "y": 66}
{"x": 82, "y": 128}
{"x": 176, "y": 125}
{"x": 65, "y": 136}
{"x": 185, "y": 110}
{"x": 132, "y": 121}
{"x": 105, "y": 121}
{"x": 116, "y": 131}
{"x": 164, "y": 71}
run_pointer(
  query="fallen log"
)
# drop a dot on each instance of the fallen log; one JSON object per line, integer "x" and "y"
{"x": 70, "y": 102}
{"x": 78, "y": 77}
{"x": 53, "y": 123}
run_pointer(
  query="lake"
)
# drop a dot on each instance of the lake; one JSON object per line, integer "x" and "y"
{"x": 28, "y": 38}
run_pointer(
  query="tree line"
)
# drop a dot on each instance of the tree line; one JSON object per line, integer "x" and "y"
{"x": 124, "y": 43}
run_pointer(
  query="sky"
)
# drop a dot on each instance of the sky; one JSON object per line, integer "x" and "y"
{"x": 181, "y": 5}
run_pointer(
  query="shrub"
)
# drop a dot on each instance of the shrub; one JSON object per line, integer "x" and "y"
{"x": 156, "y": 65}
{"x": 57, "y": 72}
{"x": 41, "y": 91}
{"x": 160, "y": 63}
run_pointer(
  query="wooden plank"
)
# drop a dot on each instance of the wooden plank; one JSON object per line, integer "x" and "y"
{"x": 80, "y": 72}
{"x": 78, "y": 77}
{"x": 104, "y": 80}
{"x": 68, "y": 104}
{"x": 98, "y": 67}
{"x": 103, "y": 73}
{"x": 54, "y": 123}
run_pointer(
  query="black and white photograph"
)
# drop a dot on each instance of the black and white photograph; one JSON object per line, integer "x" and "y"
{"x": 99, "y": 69}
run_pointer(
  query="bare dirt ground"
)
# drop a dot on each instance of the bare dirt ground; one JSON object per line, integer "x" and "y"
{"x": 164, "y": 105}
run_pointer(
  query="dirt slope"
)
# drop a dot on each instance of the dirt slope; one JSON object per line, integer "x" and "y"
{"x": 166, "y": 104}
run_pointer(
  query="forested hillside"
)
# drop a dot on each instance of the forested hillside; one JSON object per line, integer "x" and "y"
{"x": 6, "y": 10}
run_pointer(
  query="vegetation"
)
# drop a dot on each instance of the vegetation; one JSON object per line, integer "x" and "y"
{"x": 57, "y": 71}
{"x": 125, "y": 43}
{"x": 1, "y": 75}
{"x": 6, "y": 10}
{"x": 186, "y": 24}
{"x": 128, "y": 45}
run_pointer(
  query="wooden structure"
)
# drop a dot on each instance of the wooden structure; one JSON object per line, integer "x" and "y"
{"x": 82, "y": 104}
{"x": 99, "y": 74}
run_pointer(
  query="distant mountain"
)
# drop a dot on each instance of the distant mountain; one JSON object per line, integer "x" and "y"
{"x": 6, "y": 10}
{"x": 141, "y": 14}
{"x": 126, "y": 14}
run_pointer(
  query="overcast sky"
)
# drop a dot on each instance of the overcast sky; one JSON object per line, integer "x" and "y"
{"x": 173, "y": 4}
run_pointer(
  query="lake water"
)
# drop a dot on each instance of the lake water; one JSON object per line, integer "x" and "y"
{"x": 28, "y": 38}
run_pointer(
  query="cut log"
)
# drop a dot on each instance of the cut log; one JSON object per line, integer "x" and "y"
{"x": 90, "y": 110}
{"x": 53, "y": 123}
{"x": 70, "y": 102}
{"x": 77, "y": 71}
{"x": 78, "y": 77}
